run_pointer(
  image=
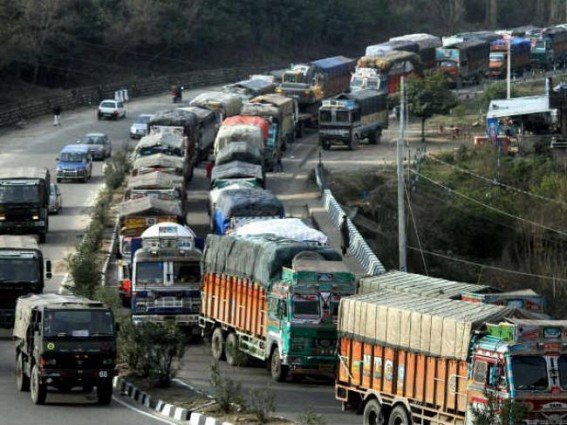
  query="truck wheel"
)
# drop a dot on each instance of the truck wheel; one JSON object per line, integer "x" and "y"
{"x": 38, "y": 390}
{"x": 104, "y": 392}
{"x": 126, "y": 301}
{"x": 278, "y": 371}
{"x": 326, "y": 144}
{"x": 353, "y": 143}
{"x": 399, "y": 416}
{"x": 22, "y": 380}
{"x": 234, "y": 356}
{"x": 373, "y": 414}
{"x": 375, "y": 137}
{"x": 217, "y": 345}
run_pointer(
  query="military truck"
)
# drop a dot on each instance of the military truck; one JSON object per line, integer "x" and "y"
{"x": 24, "y": 201}
{"x": 64, "y": 342}
{"x": 22, "y": 271}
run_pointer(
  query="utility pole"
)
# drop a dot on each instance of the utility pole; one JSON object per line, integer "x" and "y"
{"x": 509, "y": 67}
{"x": 401, "y": 192}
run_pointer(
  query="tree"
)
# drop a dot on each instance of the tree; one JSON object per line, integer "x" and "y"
{"x": 428, "y": 96}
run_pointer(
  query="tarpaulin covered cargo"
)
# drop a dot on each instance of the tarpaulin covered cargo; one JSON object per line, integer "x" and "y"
{"x": 334, "y": 64}
{"x": 369, "y": 101}
{"x": 434, "y": 326}
{"x": 291, "y": 228}
{"x": 239, "y": 133}
{"x": 419, "y": 285}
{"x": 237, "y": 170}
{"x": 148, "y": 206}
{"x": 175, "y": 118}
{"x": 244, "y": 202}
{"x": 172, "y": 142}
{"x": 389, "y": 59}
{"x": 239, "y": 151}
{"x": 227, "y": 104}
{"x": 258, "y": 258}
{"x": 283, "y": 103}
{"x": 161, "y": 162}
{"x": 155, "y": 180}
{"x": 250, "y": 88}
{"x": 259, "y": 122}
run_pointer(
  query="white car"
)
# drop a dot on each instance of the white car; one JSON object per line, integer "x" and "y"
{"x": 112, "y": 109}
{"x": 140, "y": 126}
{"x": 55, "y": 199}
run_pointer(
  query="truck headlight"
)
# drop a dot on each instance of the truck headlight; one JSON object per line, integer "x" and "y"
{"x": 35, "y": 217}
{"x": 2, "y": 217}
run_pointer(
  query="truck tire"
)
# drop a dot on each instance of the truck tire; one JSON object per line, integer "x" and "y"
{"x": 399, "y": 416}
{"x": 326, "y": 144}
{"x": 373, "y": 413}
{"x": 277, "y": 370}
{"x": 217, "y": 345}
{"x": 38, "y": 390}
{"x": 104, "y": 392}
{"x": 353, "y": 143}
{"x": 375, "y": 137}
{"x": 234, "y": 356}
{"x": 22, "y": 380}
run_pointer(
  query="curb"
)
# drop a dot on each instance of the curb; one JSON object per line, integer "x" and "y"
{"x": 126, "y": 389}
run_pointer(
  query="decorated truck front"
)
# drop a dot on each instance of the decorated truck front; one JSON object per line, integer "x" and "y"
{"x": 166, "y": 276}
{"x": 273, "y": 299}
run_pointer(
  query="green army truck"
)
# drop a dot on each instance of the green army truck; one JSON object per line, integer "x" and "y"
{"x": 65, "y": 343}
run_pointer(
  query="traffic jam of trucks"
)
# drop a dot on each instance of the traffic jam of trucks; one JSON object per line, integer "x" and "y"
{"x": 401, "y": 348}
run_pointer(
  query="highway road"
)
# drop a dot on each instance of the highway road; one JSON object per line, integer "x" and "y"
{"x": 39, "y": 144}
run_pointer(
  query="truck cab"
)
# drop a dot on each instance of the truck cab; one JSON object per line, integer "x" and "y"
{"x": 64, "y": 342}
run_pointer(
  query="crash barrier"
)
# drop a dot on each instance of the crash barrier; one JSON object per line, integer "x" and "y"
{"x": 359, "y": 249}
{"x": 358, "y": 246}
{"x": 92, "y": 95}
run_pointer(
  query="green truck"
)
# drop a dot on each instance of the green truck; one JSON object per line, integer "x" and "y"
{"x": 65, "y": 343}
{"x": 273, "y": 299}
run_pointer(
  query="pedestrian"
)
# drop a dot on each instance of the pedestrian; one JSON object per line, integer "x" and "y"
{"x": 209, "y": 169}
{"x": 278, "y": 165}
{"x": 345, "y": 235}
{"x": 57, "y": 115}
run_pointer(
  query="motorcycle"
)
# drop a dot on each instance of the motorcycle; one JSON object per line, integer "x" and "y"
{"x": 177, "y": 94}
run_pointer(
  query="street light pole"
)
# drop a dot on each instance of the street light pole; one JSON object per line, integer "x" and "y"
{"x": 401, "y": 192}
{"x": 508, "y": 67}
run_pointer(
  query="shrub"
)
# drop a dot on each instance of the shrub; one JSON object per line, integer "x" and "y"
{"x": 311, "y": 418}
{"x": 117, "y": 168}
{"x": 227, "y": 393}
{"x": 262, "y": 403}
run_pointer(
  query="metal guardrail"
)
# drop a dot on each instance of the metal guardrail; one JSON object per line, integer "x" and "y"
{"x": 359, "y": 249}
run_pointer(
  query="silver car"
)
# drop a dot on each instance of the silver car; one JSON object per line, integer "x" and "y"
{"x": 55, "y": 199}
{"x": 140, "y": 126}
{"x": 99, "y": 145}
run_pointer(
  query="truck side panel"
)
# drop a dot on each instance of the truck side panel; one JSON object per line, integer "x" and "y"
{"x": 435, "y": 383}
{"x": 235, "y": 302}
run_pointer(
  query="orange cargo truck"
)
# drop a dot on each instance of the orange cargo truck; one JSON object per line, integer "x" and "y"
{"x": 274, "y": 299}
{"x": 408, "y": 359}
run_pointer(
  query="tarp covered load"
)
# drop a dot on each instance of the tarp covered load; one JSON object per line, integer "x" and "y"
{"x": 227, "y": 103}
{"x": 175, "y": 143}
{"x": 283, "y": 103}
{"x": 389, "y": 46}
{"x": 248, "y": 120}
{"x": 155, "y": 180}
{"x": 239, "y": 133}
{"x": 175, "y": 118}
{"x": 434, "y": 326}
{"x": 162, "y": 162}
{"x": 291, "y": 228}
{"x": 202, "y": 114}
{"x": 385, "y": 62}
{"x": 258, "y": 258}
{"x": 239, "y": 151}
{"x": 419, "y": 285}
{"x": 149, "y": 206}
{"x": 250, "y": 88}
{"x": 237, "y": 170}
{"x": 244, "y": 202}
{"x": 334, "y": 64}
{"x": 227, "y": 185}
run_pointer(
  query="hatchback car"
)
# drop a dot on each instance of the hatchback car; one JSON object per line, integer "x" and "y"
{"x": 74, "y": 163}
{"x": 140, "y": 126}
{"x": 99, "y": 145}
{"x": 112, "y": 109}
{"x": 55, "y": 199}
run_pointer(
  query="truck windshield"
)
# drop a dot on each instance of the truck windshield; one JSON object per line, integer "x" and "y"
{"x": 306, "y": 306}
{"x": 186, "y": 273}
{"x": 19, "y": 194}
{"x": 78, "y": 323}
{"x": 19, "y": 270}
{"x": 562, "y": 364}
{"x": 496, "y": 57}
{"x": 325, "y": 116}
{"x": 357, "y": 83}
{"x": 530, "y": 373}
{"x": 147, "y": 273}
{"x": 343, "y": 116}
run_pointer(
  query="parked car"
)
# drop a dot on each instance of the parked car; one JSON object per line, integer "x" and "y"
{"x": 74, "y": 163}
{"x": 112, "y": 109}
{"x": 55, "y": 199}
{"x": 99, "y": 145}
{"x": 140, "y": 126}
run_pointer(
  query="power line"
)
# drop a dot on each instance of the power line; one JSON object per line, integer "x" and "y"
{"x": 446, "y": 257}
{"x": 497, "y": 183}
{"x": 497, "y": 210}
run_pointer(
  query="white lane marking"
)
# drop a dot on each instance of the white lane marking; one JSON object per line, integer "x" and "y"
{"x": 135, "y": 409}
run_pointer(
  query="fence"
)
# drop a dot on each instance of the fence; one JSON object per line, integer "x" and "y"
{"x": 358, "y": 246}
{"x": 92, "y": 95}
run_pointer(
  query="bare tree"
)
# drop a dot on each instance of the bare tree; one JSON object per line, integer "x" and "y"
{"x": 450, "y": 13}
